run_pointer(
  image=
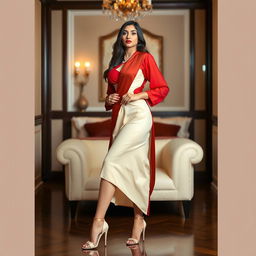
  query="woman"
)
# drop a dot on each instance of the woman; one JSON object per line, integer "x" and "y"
{"x": 128, "y": 170}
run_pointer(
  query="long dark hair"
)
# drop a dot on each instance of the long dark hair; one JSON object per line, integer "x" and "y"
{"x": 119, "y": 49}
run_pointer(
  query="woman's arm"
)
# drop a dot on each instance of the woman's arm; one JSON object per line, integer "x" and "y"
{"x": 141, "y": 95}
{"x": 112, "y": 97}
{"x": 110, "y": 90}
{"x": 158, "y": 86}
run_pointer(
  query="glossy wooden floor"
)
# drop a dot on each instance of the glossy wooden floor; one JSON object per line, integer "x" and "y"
{"x": 167, "y": 232}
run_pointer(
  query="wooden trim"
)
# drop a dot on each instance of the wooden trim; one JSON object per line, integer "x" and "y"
{"x": 192, "y": 59}
{"x": 214, "y": 120}
{"x": 45, "y": 90}
{"x": 38, "y": 182}
{"x": 157, "y": 4}
{"x": 64, "y": 61}
{"x": 38, "y": 186}
{"x": 65, "y": 124}
{"x": 194, "y": 114}
{"x": 192, "y": 69}
{"x": 38, "y": 119}
{"x": 208, "y": 91}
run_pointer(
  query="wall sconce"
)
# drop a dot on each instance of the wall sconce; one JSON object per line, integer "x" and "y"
{"x": 81, "y": 79}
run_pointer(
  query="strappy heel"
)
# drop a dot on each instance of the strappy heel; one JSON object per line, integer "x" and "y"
{"x": 89, "y": 244}
{"x": 143, "y": 233}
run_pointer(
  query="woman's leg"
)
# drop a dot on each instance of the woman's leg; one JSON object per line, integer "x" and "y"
{"x": 138, "y": 223}
{"x": 106, "y": 192}
{"x": 137, "y": 211}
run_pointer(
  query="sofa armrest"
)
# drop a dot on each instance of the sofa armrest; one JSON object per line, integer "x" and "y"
{"x": 72, "y": 154}
{"x": 178, "y": 157}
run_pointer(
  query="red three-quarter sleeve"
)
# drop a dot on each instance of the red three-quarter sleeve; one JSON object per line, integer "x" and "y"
{"x": 110, "y": 90}
{"x": 158, "y": 86}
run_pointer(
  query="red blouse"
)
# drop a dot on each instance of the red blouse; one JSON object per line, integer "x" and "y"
{"x": 158, "y": 86}
{"x": 113, "y": 74}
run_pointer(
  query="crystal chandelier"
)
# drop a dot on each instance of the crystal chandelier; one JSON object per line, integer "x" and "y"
{"x": 126, "y": 9}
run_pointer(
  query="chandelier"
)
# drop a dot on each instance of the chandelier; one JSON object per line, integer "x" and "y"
{"x": 126, "y": 9}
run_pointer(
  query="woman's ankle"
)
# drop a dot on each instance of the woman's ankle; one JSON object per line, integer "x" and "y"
{"x": 139, "y": 216}
{"x": 98, "y": 218}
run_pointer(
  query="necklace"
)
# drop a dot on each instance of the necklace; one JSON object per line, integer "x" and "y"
{"x": 128, "y": 58}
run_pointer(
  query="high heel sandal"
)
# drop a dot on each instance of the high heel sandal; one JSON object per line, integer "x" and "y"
{"x": 89, "y": 244}
{"x": 143, "y": 233}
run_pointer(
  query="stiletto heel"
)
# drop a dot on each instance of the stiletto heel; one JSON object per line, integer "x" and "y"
{"x": 106, "y": 235}
{"x": 89, "y": 244}
{"x": 144, "y": 228}
{"x": 143, "y": 233}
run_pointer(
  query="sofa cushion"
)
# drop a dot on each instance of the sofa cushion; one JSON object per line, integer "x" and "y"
{"x": 162, "y": 181}
{"x": 162, "y": 129}
{"x": 78, "y": 130}
{"x": 98, "y": 129}
{"x": 103, "y": 128}
{"x": 183, "y": 121}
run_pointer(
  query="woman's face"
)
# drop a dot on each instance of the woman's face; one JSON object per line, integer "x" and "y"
{"x": 130, "y": 37}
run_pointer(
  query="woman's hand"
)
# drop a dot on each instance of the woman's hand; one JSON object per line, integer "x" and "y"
{"x": 132, "y": 97}
{"x": 129, "y": 97}
{"x": 112, "y": 98}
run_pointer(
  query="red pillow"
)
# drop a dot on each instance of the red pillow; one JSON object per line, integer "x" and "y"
{"x": 99, "y": 129}
{"x": 162, "y": 129}
{"x": 103, "y": 128}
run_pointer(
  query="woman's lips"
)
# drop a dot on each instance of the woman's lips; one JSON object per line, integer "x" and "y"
{"x": 128, "y": 41}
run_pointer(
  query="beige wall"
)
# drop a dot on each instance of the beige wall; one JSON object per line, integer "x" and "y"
{"x": 86, "y": 47}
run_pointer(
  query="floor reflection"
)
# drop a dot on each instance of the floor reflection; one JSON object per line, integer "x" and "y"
{"x": 93, "y": 252}
{"x": 168, "y": 233}
{"x": 135, "y": 250}
{"x": 181, "y": 245}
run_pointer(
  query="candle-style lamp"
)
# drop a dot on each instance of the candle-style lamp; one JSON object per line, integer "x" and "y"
{"x": 87, "y": 68}
{"x": 77, "y": 68}
{"x": 82, "y": 78}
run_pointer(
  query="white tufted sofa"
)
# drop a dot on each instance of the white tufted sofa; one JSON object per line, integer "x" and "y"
{"x": 174, "y": 181}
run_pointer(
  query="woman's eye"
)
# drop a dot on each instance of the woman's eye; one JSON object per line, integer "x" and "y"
{"x": 124, "y": 33}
